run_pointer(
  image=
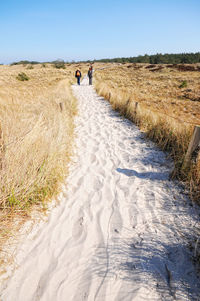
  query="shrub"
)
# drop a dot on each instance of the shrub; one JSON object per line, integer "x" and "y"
{"x": 150, "y": 66}
{"x": 22, "y": 76}
{"x": 30, "y": 67}
{"x": 183, "y": 84}
{"x": 185, "y": 68}
{"x": 59, "y": 64}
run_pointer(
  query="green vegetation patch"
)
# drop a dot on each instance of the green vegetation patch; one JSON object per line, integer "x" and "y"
{"x": 183, "y": 84}
{"x": 59, "y": 64}
{"x": 22, "y": 76}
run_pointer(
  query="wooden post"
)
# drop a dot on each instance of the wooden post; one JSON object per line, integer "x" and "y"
{"x": 109, "y": 96}
{"x": 61, "y": 106}
{"x": 194, "y": 143}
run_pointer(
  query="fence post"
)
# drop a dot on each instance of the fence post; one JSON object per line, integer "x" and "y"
{"x": 194, "y": 143}
{"x": 109, "y": 96}
{"x": 61, "y": 106}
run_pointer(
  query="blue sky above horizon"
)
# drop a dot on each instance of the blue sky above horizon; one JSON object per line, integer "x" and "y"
{"x": 46, "y": 30}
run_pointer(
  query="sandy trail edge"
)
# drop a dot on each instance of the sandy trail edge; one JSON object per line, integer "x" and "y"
{"x": 120, "y": 230}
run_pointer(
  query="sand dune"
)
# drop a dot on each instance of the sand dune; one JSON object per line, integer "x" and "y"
{"x": 120, "y": 230}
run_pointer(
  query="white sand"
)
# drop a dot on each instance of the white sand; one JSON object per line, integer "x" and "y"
{"x": 120, "y": 230}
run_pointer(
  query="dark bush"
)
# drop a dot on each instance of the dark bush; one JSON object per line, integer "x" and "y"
{"x": 30, "y": 67}
{"x": 59, "y": 64}
{"x": 185, "y": 68}
{"x": 150, "y": 66}
{"x": 22, "y": 76}
{"x": 183, "y": 84}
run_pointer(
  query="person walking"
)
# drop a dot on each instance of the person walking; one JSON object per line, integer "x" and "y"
{"x": 78, "y": 76}
{"x": 90, "y": 75}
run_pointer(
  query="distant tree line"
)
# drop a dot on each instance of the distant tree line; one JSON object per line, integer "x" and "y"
{"x": 180, "y": 58}
{"x": 25, "y": 63}
{"x": 57, "y": 63}
{"x": 159, "y": 58}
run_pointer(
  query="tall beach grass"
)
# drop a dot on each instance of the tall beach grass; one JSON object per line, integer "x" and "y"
{"x": 36, "y": 142}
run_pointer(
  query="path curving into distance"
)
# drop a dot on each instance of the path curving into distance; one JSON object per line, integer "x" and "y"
{"x": 120, "y": 231}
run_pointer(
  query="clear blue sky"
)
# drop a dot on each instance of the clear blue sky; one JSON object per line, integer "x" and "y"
{"x": 87, "y": 29}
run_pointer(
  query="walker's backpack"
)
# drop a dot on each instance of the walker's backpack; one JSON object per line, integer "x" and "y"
{"x": 78, "y": 73}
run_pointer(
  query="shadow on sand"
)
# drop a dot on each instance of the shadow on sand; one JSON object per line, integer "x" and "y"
{"x": 163, "y": 270}
{"x": 144, "y": 175}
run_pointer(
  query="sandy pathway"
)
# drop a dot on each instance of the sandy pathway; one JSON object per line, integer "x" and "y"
{"x": 119, "y": 231}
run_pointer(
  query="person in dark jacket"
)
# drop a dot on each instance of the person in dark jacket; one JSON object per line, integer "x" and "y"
{"x": 78, "y": 76}
{"x": 90, "y": 75}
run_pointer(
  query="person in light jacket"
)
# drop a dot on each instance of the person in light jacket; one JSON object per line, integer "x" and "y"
{"x": 90, "y": 75}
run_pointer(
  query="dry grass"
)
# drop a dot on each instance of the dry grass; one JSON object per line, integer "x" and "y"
{"x": 166, "y": 112}
{"x": 160, "y": 90}
{"x": 36, "y": 140}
